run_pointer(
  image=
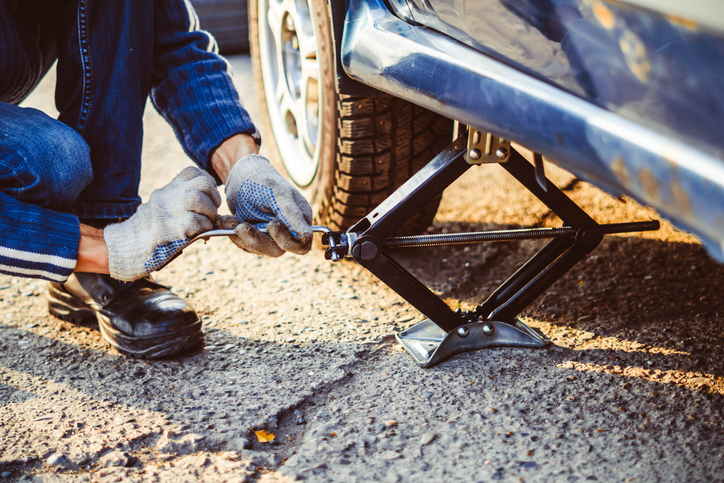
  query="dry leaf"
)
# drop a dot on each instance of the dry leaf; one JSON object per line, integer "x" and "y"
{"x": 262, "y": 436}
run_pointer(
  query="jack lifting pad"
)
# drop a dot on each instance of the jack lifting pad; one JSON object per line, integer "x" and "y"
{"x": 429, "y": 345}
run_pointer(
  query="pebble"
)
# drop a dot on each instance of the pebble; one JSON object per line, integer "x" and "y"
{"x": 238, "y": 444}
{"x": 5, "y": 474}
{"x": 389, "y": 455}
{"x": 298, "y": 416}
{"x": 369, "y": 440}
{"x": 114, "y": 459}
{"x": 323, "y": 415}
{"x": 216, "y": 439}
{"x": 58, "y": 459}
{"x": 170, "y": 443}
{"x": 427, "y": 438}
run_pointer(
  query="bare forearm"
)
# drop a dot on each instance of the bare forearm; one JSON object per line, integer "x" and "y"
{"x": 92, "y": 251}
{"x": 229, "y": 152}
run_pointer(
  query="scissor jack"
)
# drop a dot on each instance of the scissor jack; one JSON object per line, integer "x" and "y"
{"x": 495, "y": 322}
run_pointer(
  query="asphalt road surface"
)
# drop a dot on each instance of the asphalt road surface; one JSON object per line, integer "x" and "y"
{"x": 629, "y": 389}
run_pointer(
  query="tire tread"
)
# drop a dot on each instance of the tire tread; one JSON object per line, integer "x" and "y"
{"x": 382, "y": 142}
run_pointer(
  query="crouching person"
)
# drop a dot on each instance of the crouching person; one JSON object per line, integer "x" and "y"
{"x": 69, "y": 206}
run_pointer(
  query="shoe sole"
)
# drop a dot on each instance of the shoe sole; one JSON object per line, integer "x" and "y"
{"x": 68, "y": 308}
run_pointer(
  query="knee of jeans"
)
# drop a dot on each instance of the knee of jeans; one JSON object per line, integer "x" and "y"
{"x": 59, "y": 167}
{"x": 74, "y": 171}
{"x": 42, "y": 160}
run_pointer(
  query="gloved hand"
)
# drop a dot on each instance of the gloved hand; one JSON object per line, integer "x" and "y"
{"x": 161, "y": 228}
{"x": 257, "y": 194}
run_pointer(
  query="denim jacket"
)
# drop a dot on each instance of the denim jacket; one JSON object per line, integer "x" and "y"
{"x": 112, "y": 55}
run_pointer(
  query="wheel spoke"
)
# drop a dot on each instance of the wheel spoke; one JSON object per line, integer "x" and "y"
{"x": 269, "y": 44}
{"x": 307, "y": 44}
{"x": 280, "y": 93}
{"x": 300, "y": 119}
{"x": 304, "y": 20}
{"x": 274, "y": 18}
{"x": 310, "y": 70}
{"x": 309, "y": 105}
{"x": 288, "y": 105}
{"x": 306, "y": 134}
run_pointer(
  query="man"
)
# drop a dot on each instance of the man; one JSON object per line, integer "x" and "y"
{"x": 69, "y": 204}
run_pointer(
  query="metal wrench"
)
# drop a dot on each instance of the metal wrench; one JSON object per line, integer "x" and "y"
{"x": 213, "y": 233}
{"x": 219, "y": 232}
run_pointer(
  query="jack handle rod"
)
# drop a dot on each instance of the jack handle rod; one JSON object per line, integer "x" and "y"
{"x": 475, "y": 237}
{"x": 511, "y": 235}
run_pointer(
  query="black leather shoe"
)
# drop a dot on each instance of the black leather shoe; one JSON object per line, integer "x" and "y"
{"x": 140, "y": 318}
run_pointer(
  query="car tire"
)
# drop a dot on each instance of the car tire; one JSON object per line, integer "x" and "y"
{"x": 227, "y": 21}
{"x": 346, "y": 153}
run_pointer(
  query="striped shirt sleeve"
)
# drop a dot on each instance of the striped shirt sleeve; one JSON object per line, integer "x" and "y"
{"x": 36, "y": 242}
{"x": 192, "y": 85}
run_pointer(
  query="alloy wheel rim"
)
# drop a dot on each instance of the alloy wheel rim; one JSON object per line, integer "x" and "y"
{"x": 290, "y": 73}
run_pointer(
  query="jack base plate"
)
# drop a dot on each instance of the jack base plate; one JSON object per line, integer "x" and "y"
{"x": 429, "y": 345}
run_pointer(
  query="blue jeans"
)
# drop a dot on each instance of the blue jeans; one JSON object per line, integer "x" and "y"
{"x": 43, "y": 162}
{"x": 89, "y": 160}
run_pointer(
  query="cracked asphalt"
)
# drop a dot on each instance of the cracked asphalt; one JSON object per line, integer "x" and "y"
{"x": 629, "y": 389}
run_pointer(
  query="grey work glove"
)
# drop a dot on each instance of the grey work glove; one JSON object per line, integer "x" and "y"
{"x": 161, "y": 228}
{"x": 258, "y": 195}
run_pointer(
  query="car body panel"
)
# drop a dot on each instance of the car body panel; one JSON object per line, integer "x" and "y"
{"x": 683, "y": 180}
{"x": 661, "y": 70}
